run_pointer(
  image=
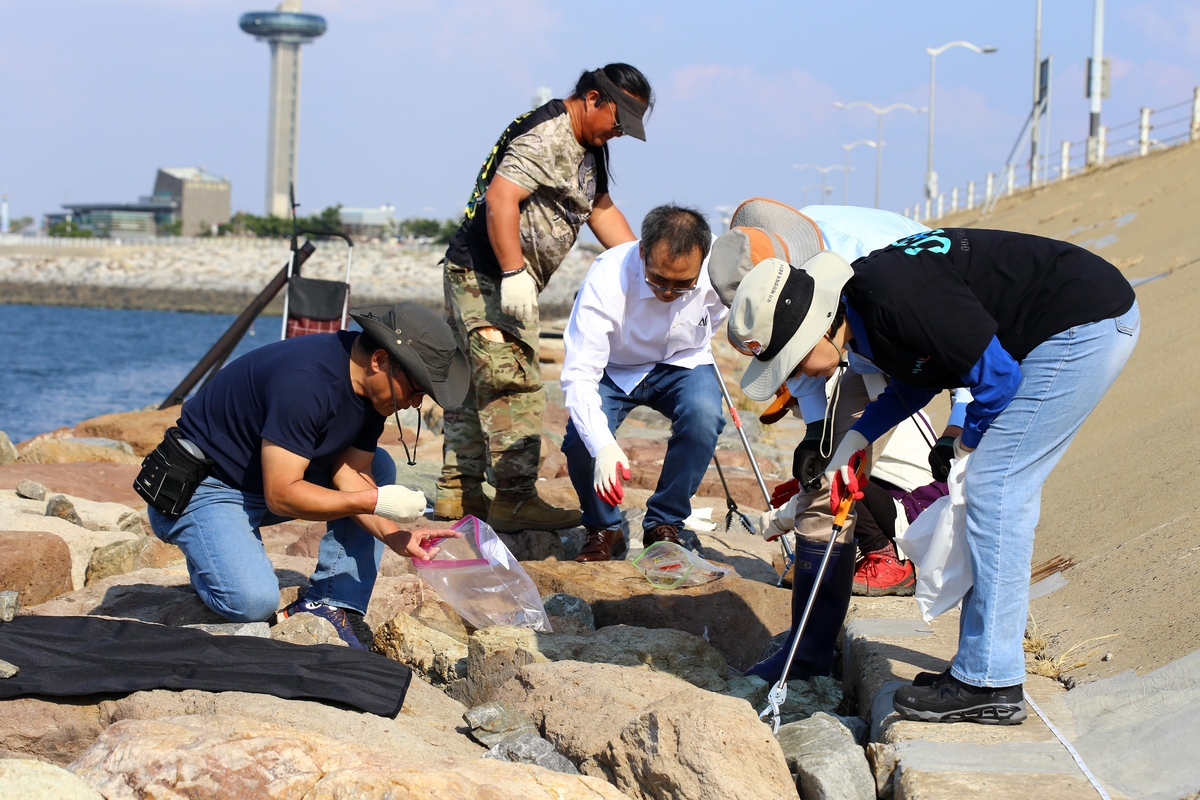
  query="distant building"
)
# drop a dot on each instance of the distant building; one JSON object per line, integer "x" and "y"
{"x": 368, "y": 223}
{"x": 186, "y": 200}
{"x": 202, "y": 197}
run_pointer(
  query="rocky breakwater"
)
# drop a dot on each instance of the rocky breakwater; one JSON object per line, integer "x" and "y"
{"x": 219, "y": 275}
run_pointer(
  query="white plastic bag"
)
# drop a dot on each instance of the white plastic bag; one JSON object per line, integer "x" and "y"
{"x": 936, "y": 542}
{"x": 480, "y": 579}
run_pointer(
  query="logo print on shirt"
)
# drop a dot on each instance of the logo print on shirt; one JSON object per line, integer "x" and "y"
{"x": 925, "y": 240}
{"x": 704, "y": 322}
{"x": 920, "y": 365}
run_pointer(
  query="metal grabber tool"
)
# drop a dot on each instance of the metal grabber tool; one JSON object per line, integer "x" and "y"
{"x": 778, "y": 694}
{"x": 789, "y": 555}
{"x": 731, "y": 504}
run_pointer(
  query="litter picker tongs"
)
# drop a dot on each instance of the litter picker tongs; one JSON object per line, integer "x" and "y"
{"x": 778, "y": 694}
{"x": 789, "y": 555}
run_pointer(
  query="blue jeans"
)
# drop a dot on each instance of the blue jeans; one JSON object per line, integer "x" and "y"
{"x": 691, "y": 399}
{"x": 229, "y": 568}
{"x": 1063, "y": 379}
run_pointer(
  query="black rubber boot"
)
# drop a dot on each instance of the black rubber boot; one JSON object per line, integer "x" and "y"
{"x": 814, "y": 655}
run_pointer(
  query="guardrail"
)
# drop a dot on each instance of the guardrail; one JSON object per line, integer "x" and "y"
{"x": 233, "y": 242}
{"x": 1133, "y": 139}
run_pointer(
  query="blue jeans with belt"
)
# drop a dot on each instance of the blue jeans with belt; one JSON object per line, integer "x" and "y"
{"x": 228, "y": 565}
{"x": 691, "y": 399}
{"x": 1063, "y": 379}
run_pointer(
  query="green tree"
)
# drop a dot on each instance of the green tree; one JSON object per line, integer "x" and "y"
{"x": 272, "y": 227}
{"x": 171, "y": 228}
{"x": 19, "y": 224}
{"x": 70, "y": 229}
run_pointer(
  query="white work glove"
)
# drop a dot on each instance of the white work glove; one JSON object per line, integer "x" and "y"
{"x": 400, "y": 504}
{"x": 612, "y": 466}
{"x": 518, "y": 295}
{"x": 851, "y": 443}
{"x": 961, "y": 452}
{"x": 778, "y": 521}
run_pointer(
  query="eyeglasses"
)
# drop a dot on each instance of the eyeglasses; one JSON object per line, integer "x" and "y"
{"x": 669, "y": 290}
{"x": 617, "y": 128}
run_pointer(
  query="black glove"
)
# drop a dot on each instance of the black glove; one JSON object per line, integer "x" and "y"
{"x": 808, "y": 465}
{"x": 939, "y": 458}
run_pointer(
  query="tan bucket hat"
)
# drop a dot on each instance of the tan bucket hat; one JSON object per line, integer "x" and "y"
{"x": 760, "y": 229}
{"x": 780, "y": 312}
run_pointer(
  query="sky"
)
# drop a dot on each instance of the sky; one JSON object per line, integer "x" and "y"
{"x": 402, "y": 99}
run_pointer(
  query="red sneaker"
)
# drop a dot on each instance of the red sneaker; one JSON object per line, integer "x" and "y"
{"x": 881, "y": 573}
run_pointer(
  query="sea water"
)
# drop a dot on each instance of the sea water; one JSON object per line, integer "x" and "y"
{"x": 62, "y": 365}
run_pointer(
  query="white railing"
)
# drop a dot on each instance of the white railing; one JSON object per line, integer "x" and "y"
{"x": 1154, "y": 129}
{"x": 232, "y": 242}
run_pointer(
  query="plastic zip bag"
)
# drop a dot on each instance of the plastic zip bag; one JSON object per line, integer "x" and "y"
{"x": 936, "y": 542}
{"x": 479, "y": 578}
{"x": 668, "y": 566}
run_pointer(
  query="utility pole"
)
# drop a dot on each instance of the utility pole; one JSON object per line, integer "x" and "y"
{"x": 1035, "y": 131}
{"x": 1095, "y": 81}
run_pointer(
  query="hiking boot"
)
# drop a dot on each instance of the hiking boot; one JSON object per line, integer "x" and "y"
{"x": 454, "y": 507}
{"x": 339, "y": 618}
{"x": 882, "y": 574}
{"x": 661, "y": 533}
{"x": 950, "y": 700}
{"x": 530, "y": 514}
{"x": 602, "y": 545}
{"x": 930, "y": 678}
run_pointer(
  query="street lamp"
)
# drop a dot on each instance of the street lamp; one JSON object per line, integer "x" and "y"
{"x": 846, "y": 171}
{"x": 823, "y": 170}
{"x": 934, "y": 52}
{"x": 879, "y": 137}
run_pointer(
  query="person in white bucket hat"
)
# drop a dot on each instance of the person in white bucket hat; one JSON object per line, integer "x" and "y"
{"x": 1038, "y": 329}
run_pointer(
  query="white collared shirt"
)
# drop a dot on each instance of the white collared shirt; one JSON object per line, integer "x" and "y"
{"x": 620, "y": 327}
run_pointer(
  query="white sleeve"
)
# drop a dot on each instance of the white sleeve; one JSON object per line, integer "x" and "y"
{"x": 587, "y": 349}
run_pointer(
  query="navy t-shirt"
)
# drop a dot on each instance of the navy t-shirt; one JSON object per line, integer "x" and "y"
{"x": 296, "y": 394}
{"x": 930, "y": 304}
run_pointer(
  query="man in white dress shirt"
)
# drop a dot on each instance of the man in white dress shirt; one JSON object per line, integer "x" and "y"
{"x": 639, "y": 335}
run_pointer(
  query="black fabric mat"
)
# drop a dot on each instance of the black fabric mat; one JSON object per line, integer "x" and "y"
{"x": 71, "y": 656}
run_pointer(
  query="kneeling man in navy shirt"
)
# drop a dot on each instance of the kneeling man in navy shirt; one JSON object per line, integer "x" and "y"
{"x": 289, "y": 431}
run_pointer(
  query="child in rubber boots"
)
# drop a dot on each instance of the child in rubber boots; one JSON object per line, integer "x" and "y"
{"x": 1037, "y": 329}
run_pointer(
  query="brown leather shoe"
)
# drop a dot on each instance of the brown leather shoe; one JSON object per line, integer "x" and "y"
{"x": 662, "y": 533}
{"x": 602, "y": 545}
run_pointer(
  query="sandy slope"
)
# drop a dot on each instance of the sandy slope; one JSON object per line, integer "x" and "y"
{"x": 1124, "y": 503}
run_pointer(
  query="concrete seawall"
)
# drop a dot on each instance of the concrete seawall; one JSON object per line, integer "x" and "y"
{"x": 222, "y": 276}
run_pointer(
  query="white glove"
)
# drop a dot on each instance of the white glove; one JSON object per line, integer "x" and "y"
{"x": 852, "y": 442}
{"x": 400, "y": 504}
{"x": 961, "y": 452}
{"x": 778, "y": 521}
{"x": 612, "y": 465}
{"x": 518, "y": 295}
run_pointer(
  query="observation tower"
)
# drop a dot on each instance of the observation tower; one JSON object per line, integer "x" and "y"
{"x": 285, "y": 29}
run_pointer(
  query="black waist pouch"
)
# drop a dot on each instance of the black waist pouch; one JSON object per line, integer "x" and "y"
{"x": 170, "y": 474}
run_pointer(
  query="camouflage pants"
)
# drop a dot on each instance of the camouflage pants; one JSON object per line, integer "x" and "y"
{"x": 499, "y": 425}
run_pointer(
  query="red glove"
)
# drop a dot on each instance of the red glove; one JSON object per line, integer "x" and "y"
{"x": 612, "y": 467}
{"x": 846, "y": 482}
{"x": 784, "y": 492}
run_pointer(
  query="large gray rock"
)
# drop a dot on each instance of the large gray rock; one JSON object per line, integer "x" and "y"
{"x": 307, "y": 629}
{"x": 238, "y": 756}
{"x": 828, "y": 763}
{"x": 529, "y": 748}
{"x": 31, "y": 490}
{"x": 808, "y": 697}
{"x": 737, "y": 616}
{"x": 492, "y": 723}
{"x": 28, "y": 779}
{"x": 568, "y": 605}
{"x": 650, "y": 734}
{"x": 59, "y": 506}
{"x": 497, "y": 653}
